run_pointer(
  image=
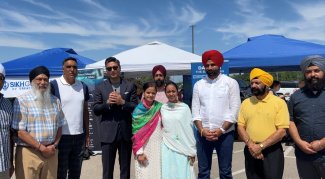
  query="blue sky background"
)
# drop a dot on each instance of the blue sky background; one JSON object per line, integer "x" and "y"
{"x": 101, "y": 28}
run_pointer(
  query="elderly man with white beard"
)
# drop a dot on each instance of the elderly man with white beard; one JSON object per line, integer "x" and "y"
{"x": 38, "y": 120}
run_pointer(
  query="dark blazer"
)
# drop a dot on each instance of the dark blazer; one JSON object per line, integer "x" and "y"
{"x": 114, "y": 117}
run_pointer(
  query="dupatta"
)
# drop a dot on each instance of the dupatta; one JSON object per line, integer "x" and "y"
{"x": 144, "y": 122}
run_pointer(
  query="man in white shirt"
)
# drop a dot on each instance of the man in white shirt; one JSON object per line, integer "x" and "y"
{"x": 215, "y": 104}
{"x": 74, "y": 98}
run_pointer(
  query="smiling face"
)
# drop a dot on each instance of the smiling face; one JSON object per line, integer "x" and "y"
{"x": 171, "y": 93}
{"x": 150, "y": 94}
{"x": 70, "y": 71}
{"x": 113, "y": 70}
{"x": 41, "y": 82}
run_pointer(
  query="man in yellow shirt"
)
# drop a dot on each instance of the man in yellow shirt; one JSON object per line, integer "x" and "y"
{"x": 262, "y": 123}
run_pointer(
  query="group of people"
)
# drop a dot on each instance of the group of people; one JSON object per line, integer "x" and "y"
{"x": 50, "y": 124}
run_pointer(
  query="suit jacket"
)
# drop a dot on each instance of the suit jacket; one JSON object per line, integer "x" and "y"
{"x": 114, "y": 117}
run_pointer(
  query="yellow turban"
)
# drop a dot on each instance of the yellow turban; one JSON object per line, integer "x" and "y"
{"x": 265, "y": 77}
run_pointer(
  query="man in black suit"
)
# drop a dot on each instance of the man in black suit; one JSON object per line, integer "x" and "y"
{"x": 114, "y": 100}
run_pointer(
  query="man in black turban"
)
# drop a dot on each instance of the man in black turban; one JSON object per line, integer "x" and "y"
{"x": 38, "y": 120}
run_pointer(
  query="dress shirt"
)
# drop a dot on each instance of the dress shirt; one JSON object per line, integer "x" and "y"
{"x": 216, "y": 101}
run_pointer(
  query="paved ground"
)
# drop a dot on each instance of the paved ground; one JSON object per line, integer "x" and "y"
{"x": 92, "y": 169}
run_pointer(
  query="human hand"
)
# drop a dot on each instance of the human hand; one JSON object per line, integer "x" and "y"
{"x": 191, "y": 159}
{"x": 47, "y": 151}
{"x": 255, "y": 150}
{"x": 142, "y": 159}
{"x": 316, "y": 145}
{"x": 306, "y": 147}
{"x": 112, "y": 98}
{"x": 208, "y": 134}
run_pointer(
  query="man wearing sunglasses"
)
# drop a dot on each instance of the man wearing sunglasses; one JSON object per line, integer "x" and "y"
{"x": 115, "y": 99}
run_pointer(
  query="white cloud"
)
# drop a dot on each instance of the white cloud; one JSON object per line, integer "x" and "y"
{"x": 253, "y": 21}
{"x": 22, "y": 42}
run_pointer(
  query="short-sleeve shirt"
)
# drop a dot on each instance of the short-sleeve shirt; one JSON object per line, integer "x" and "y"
{"x": 307, "y": 111}
{"x": 41, "y": 123}
{"x": 262, "y": 118}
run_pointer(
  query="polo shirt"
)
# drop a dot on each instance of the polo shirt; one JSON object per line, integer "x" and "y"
{"x": 72, "y": 99}
{"x": 307, "y": 111}
{"x": 262, "y": 118}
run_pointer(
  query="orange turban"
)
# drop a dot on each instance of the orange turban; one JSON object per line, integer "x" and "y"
{"x": 214, "y": 56}
{"x": 265, "y": 77}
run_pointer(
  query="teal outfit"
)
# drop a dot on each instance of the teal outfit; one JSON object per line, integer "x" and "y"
{"x": 178, "y": 141}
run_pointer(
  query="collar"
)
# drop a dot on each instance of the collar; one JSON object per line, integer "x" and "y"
{"x": 267, "y": 97}
{"x": 214, "y": 80}
{"x": 64, "y": 82}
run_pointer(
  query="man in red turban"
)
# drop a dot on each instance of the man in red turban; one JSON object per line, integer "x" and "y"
{"x": 159, "y": 74}
{"x": 215, "y": 104}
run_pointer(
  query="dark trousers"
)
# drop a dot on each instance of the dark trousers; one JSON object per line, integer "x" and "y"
{"x": 70, "y": 156}
{"x": 311, "y": 169}
{"x": 124, "y": 149}
{"x": 224, "y": 147}
{"x": 270, "y": 168}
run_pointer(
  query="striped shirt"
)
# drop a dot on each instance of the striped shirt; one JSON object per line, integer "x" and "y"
{"x": 41, "y": 123}
{"x": 5, "y": 122}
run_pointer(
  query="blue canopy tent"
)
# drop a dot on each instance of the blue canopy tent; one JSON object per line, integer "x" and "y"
{"x": 272, "y": 53}
{"x": 51, "y": 58}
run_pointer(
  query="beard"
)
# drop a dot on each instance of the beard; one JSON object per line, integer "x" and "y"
{"x": 258, "y": 92}
{"x": 212, "y": 73}
{"x": 315, "y": 84}
{"x": 43, "y": 98}
{"x": 160, "y": 83}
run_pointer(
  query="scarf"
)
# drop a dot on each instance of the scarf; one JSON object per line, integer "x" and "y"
{"x": 144, "y": 122}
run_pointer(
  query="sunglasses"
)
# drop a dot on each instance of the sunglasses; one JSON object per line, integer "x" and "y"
{"x": 112, "y": 68}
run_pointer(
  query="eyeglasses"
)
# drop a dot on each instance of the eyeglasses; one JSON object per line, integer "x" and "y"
{"x": 112, "y": 68}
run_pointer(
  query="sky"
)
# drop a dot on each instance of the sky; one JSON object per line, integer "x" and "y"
{"x": 98, "y": 29}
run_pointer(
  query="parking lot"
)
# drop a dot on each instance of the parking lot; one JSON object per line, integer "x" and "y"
{"x": 93, "y": 168}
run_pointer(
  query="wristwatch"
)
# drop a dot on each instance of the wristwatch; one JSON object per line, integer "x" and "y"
{"x": 262, "y": 146}
{"x": 222, "y": 130}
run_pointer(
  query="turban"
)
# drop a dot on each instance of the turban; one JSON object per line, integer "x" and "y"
{"x": 37, "y": 71}
{"x": 160, "y": 68}
{"x": 265, "y": 77}
{"x": 2, "y": 70}
{"x": 213, "y": 55}
{"x": 311, "y": 61}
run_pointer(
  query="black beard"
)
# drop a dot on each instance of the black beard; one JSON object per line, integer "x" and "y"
{"x": 212, "y": 73}
{"x": 258, "y": 92}
{"x": 160, "y": 83}
{"x": 315, "y": 84}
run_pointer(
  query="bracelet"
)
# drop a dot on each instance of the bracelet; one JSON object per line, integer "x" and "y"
{"x": 202, "y": 132}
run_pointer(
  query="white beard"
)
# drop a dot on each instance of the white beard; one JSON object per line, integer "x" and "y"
{"x": 43, "y": 98}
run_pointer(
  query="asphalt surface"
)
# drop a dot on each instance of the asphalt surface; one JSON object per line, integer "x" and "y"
{"x": 92, "y": 168}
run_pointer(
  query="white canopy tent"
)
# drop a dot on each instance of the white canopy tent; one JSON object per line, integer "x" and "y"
{"x": 140, "y": 60}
